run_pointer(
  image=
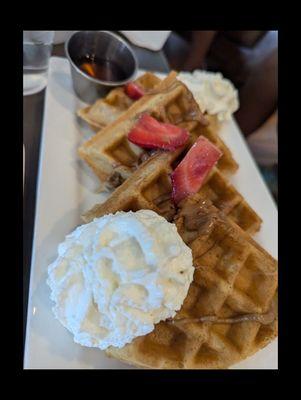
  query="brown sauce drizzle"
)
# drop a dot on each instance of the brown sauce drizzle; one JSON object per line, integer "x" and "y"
{"x": 145, "y": 156}
{"x": 265, "y": 273}
{"x": 162, "y": 198}
{"x": 264, "y": 319}
{"x": 165, "y": 205}
{"x": 115, "y": 180}
{"x": 195, "y": 219}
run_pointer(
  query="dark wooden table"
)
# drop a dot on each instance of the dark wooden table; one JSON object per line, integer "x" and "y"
{"x": 33, "y": 107}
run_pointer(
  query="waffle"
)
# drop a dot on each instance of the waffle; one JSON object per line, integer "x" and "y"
{"x": 113, "y": 157}
{"x": 229, "y": 312}
{"x": 150, "y": 188}
{"x": 106, "y": 110}
{"x": 214, "y": 124}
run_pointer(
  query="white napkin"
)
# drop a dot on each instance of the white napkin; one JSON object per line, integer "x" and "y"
{"x": 61, "y": 36}
{"x": 152, "y": 40}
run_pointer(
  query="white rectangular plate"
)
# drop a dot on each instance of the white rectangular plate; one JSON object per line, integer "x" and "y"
{"x": 67, "y": 188}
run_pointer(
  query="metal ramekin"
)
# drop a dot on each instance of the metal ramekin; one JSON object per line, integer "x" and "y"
{"x": 105, "y": 45}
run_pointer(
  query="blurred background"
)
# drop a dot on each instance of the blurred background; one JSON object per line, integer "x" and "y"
{"x": 250, "y": 60}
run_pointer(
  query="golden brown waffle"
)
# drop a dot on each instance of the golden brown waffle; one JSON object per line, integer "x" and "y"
{"x": 150, "y": 188}
{"x": 213, "y": 123}
{"x": 106, "y": 110}
{"x": 110, "y": 154}
{"x": 227, "y": 314}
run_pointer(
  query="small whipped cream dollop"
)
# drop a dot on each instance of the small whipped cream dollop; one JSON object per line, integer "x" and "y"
{"x": 117, "y": 276}
{"x": 213, "y": 93}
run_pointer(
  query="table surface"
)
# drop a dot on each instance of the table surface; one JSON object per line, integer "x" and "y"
{"x": 33, "y": 107}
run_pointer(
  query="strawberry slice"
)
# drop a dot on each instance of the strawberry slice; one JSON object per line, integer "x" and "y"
{"x": 189, "y": 175}
{"x": 133, "y": 90}
{"x": 152, "y": 134}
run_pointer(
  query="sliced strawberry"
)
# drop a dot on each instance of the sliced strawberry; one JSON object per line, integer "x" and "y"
{"x": 152, "y": 134}
{"x": 133, "y": 90}
{"x": 189, "y": 175}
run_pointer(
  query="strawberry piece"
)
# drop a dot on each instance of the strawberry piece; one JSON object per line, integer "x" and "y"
{"x": 133, "y": 90}
{"x": 152, "y": 134}
{"x": 189, "y": 175}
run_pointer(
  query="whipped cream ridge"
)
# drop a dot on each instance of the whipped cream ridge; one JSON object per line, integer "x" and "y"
{"x": 117, "y": 276}
{"x": 213, "y": 93}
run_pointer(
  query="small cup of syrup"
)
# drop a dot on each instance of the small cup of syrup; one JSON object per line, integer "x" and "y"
{"x": 100, "y": 61}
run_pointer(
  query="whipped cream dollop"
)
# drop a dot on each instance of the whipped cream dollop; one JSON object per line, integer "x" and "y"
{"x": 117, "y": 276}
{"x": 213, "y": 93}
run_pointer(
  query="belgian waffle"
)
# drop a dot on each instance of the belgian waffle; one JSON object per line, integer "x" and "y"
{"x": 150, "y": 188}
{"x": 229, "y": 312}
{"x": 111, "y": 155}
{"x": 106, "y": 110}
